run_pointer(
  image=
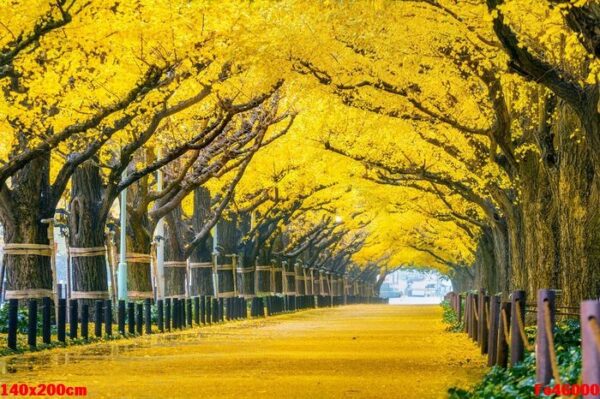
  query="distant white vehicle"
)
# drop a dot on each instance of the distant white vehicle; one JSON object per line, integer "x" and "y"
{"x": 423, "y": 288}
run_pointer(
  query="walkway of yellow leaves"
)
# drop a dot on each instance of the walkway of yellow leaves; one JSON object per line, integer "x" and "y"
{"x": 361, "y": 351}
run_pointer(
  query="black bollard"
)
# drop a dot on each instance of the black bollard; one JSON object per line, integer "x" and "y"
{"x": 13, "y": 314}
{"x": 139, "y": 319}
{"x": 98, "y": 319}
{"x": 46, "y": 320}
{"x": 108, "y": 318}
{"x": 229, "y": 304}
{"x": 268, "y": 305}
{"x": 168, "y": 303}
{"x": 73, "y": 318}
{"x": 215, "y": 310}
{"x": 32, "y": 323}
{"x": 203, "y": 310}
{"x": 85, "y": 319}
{"x": 131, "y": 317}
{"x": 148, "y": 315}
{"x": 189, "y": 312}
{"x": 197, "y": 310}
{"x": 62, "y": 313}
{"x": 121, "y": 317}
{"x": 175, "y": 311}
{"x": 160, "y": 313}
{"x": 182, "y": 313}
{"x": 208, "y": 310}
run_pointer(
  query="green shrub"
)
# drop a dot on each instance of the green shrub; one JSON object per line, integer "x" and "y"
{"x": 518, "y": 382}
{"x": 449, "y": 317}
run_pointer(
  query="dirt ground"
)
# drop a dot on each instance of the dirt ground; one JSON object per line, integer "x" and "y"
{"x": 360, "y": 351}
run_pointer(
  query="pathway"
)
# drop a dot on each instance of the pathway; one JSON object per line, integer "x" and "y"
{"x": 360, "y": 351}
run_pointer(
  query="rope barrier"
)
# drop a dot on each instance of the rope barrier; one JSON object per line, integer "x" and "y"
{"x": 550, "y": 338}
{"x": 201, "y": 265}
{"x": 475, "y": 310}
{"x": 89, "y": 295}
{"x": 175, "y": 263}
{"x": 505, "y": 327}
{"x": 526, "y": 343}
{"x": 24, "y": 249}
{"x": 75, "y": 252}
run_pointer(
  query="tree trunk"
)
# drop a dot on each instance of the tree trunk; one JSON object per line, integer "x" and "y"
{"x": 86, "y": 230}
{"x": 202, "y": 277}
{"x": 139, "y": 241}
{"x": 227, "y": 245}
{"x": 175, "y": 272}
{"x": 28, "y": 276}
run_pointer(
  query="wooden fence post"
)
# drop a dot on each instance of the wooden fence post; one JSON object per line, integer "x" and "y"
{"x": 517, "y": 346}
{"x": 543, "y": 364}
{"x": 492, "y": 342}
{"x": 503, "y": 325}
{"x": 482, "y": 327}
{"x": 468, "y": 315}
{"x": 486, "y": 325}
{"x": 475, "y": 312}
{"x": 590, "y": 313}
{"x": 458, "y": 307}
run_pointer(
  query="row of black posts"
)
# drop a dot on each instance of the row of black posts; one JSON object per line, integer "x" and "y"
{"x": 171, "y": 314}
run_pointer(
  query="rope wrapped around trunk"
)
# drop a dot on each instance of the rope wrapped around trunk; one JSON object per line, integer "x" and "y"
{"x": 25, "y": 249}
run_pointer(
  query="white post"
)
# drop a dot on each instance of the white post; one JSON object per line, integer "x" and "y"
{"x": 160, "y": 247}
{"x": 122, "y": 272}
{"x": 215, "y": 234}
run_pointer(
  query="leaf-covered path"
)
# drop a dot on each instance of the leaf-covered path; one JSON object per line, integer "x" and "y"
{"x": 361, "y": 351}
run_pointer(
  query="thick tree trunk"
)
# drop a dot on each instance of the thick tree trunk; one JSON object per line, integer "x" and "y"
{"x": 462, "y": 279}
{"x": 227, "y": 244}
{"x": 201, "y": 275}
{"x": 245, "y": 282}
{"x": 175, "y": 270}
{"x": 485, "y": 267}
{"x": 578, "y": 209}
{"x": 139, "y": 241}
{"x": 28, "y": 276}
{"x": 86, "y": 230}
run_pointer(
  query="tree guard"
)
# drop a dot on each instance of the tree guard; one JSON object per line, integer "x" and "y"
{"x": 316, "y": 283}
{"x": 176, "y": 276}
{"x": 138, "y": 261}
{"x": 226, "y": 281}
{"x": 262, "y": 280}
{"x": 277, "y": 278}
{"x": 202, "y": 278}
{"x": 74, "y": 252}
{"x": 24, "y": 249}
{"x": 300, "y": 278}
{"x": 245, "y": 281}
{"x": 289, "y": 279}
